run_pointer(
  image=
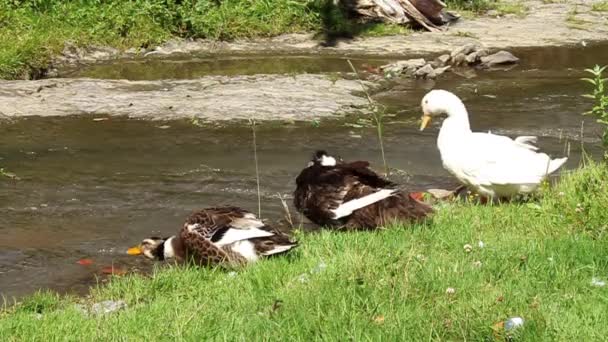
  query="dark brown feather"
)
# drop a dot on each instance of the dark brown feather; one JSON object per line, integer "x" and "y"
{"x": 319, "y": 189}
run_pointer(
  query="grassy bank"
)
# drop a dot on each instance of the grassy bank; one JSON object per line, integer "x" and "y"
{"x": 32, "y": 31}
{"x": 537, "y": 262}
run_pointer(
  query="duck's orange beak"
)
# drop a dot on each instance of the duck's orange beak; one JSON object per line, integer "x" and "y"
{"x": 425, "y": 121}
{"x": 134, "y": 250}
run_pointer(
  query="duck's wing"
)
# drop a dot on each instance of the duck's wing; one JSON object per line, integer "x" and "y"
{"x": 224, "y": 225}
{"x": 489, "y": 159}
{"x": 365, "y": 175}
{"x": 362, "y": 187}
{"x": 321, "y": 190}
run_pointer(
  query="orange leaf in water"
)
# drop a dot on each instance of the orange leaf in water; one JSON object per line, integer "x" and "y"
{"x": 114, "y": 270}
{"x": 85, "y": 262}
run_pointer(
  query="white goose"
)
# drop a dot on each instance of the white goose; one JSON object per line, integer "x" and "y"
{"x": 492, "y": 165}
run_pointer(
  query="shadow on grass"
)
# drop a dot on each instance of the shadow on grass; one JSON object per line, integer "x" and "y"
{"x": 341, "y": 24}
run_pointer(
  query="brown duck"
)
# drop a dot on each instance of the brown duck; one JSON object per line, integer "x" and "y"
{"x": 227, "y": 236}
{"x": 334, "y": 193}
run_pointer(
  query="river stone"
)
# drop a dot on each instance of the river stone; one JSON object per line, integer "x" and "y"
{"x": 472, "y": 58}
{"x": 465, "y": 50}
{"x": 459, "y": 59}
{"x": 500, "y": 58}
{"x": 441, "y": 70}
{"x": 403, "y": 66}
{"x": 443, "y": 59}
{"x": 426, "y": 71}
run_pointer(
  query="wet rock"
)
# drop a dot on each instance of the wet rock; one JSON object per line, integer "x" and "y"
{"x": 401, "y": 67}
{"x": 467, "y": 73}
{"x": 439, "y": 71}
{"x": 475, "y": 57}
{"x": 443, "y": 59}
{"x": 459, "y": 59}
{"x": 500, "y": 58}
{"x": 426, "y": 71}
{"x": 108, "y": 306}
{"x": 465, "y": 49}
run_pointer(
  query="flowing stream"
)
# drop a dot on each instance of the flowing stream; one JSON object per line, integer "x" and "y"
{"x": 90, "y": 189}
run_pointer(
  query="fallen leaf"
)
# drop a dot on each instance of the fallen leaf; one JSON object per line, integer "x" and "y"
{"x": 497, "y": 330}
{"x": 85, "y": 262}
{"x": 379, "y": 319}
{"x": 114, "y": 270}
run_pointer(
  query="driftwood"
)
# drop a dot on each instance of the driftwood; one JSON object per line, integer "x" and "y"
{"x": 427, "y": 13}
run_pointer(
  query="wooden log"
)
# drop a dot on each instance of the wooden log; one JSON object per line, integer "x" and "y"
{"x": 413, "y": 13}
{"x": 427, "y": 13}
{"x": 431, "y": 9}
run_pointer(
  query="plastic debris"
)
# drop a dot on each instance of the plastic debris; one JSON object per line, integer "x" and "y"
{"x": 481, "y": 244}
{"x": 513, "y": 323}
{"x": 450, "y": 291}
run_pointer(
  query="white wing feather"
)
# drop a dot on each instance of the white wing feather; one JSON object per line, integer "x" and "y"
{"x": 494, "y": 159}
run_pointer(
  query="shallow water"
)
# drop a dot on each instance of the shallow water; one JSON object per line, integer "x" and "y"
{"x": 91, "y": 189}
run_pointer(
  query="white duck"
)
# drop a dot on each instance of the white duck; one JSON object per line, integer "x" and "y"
{"x": 492, "y": 165}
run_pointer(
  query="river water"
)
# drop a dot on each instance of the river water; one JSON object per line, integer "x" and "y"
{"x": 90, "y": 189}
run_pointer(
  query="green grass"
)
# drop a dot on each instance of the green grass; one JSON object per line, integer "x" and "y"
{"x": 471, "y": 5}
{"x": 600, "y": 6}
{"x": 575, "y": 22}
{"x": 538, "y": 262}
{"x": 32, "y": 31}
{"x": 517, "y": 8}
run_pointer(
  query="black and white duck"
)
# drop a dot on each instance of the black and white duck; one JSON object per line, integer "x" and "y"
{"x": 227, "y": 236}
{"x": 349, "y": 195}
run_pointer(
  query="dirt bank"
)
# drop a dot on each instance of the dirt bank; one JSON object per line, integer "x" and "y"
{"x": 267, "y": 97}
{"x": 544, "y": 24}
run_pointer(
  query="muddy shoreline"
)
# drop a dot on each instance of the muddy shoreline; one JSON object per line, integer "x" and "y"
{"x": 214, "y": 98}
